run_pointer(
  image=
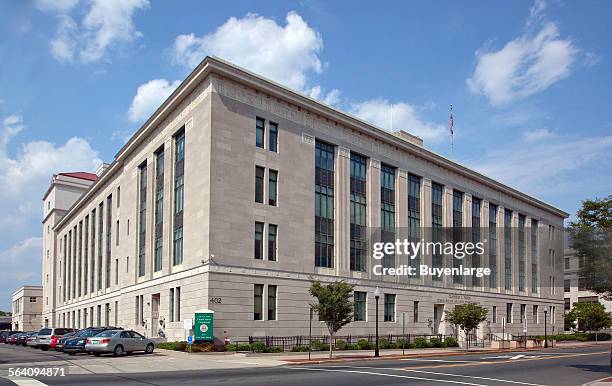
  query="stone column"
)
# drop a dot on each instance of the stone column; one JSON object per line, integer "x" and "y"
{"x": 401, "y": 215}
{"x": 373, "y": 200}
{"x": 467, "y": 235}
{"x": 426, "y": 258}
{"x": 342, "y": 200}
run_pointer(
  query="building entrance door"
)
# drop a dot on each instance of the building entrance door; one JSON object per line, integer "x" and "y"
{"x": 155, "y": 299}
{"x": 438, "y": 314}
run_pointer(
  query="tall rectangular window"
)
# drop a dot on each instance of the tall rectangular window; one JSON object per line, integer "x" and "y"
{"x": 389, "y": 308}
{"x": 457, "y": 229}
{"x": 534, "y": 256}
{"x": 179, "y": 193}
{"x": 493, "y": 245}
{"x": 92, "y": 271}
{"x": 509, "y": 313}
{"x": 324, "y": 205}
{"x": 476, "y": 206}
{"x": 258, "y": 302}
{"x": 507, "y": 249}
{"x": 387, "y": 210}
{"x": 100, "y": 238}
{"x": 116, "y": 271}
{"x": 86, "y": 254}
{"x": 272, "y": 302}
{"x": 522, "y": 252}
{"x": 80, "y": 259}
{"x": 358, "y": 209}
{"x": 272, "y": 233}
{"x": 260, "y": 132}
{"x": 536, "y": 314}
{"x": 436, "y": 225}
{"x": 159, "y": 209}
{"x": 258, "y": 252}
{"x": 259, "y": 184}
{"x": 272, "y": 187}
{"x": 109, "y": 238}
{"x": 142, "y": 218}
{"x": 177, "y": 308}
{"x": 273, "y": 137}
{"x": 171, "y": 305}
{"x": 414, "y": 218}
{"x": 415, "y": 311}
{"x": 64, "y": 281}
{"x": 359, "y": 300}
{"x": 69, "y": 264}
{"x": 523, "y": 312}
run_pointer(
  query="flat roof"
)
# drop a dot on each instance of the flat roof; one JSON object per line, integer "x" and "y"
{"x": 211, "y": 64}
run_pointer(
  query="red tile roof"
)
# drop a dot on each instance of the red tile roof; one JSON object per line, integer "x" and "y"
{"x": 81, "y": 175}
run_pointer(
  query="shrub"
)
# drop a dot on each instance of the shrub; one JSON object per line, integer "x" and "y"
{"x": 258, "y": 347}
{"x": 363, "y": 344}
{"x": 421, "y": 343}
{"x": 401, "y": 343}
{"x": 272, "y": 349}
{"x": 238, "y": 347}
{"x": 341, "y": 344}
{"x": 600, "y": 336}
{"x": 451, "y": 342}
{"x": 299, "y": 349}
{"x": 353, "y": 346}
{"x": 435, "y": 342}
{"x": 318, "y": 346}
{"x": 383, "y": 343}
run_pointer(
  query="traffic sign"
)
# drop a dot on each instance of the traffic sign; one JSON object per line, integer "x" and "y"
{"x": 190, "y": 340}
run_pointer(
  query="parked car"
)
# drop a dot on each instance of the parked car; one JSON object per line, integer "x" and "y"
{"x": 5, "y": 335}
{"x": 13, "y": 338}
{"x": 76, "y": 344}
{"x": 32, "y": 340}
{"x": 22, "y": 338}
{"x": 118, "y": 342}
{"x": 48, "y": 337}
{"x": 60, "y": 342}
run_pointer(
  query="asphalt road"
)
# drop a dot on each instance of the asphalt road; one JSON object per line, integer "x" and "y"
{"x": 556, "y": 367}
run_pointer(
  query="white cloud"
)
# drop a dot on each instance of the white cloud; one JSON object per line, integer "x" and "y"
{"x": 331, "y": 98}
{"x": 26, "y": 174}
{"x": 537, "y": 135}
{"x": 149, "y": 97}
{"x": 55, "y": 5}
{"x": 405, "y": 117}
{"x": 539, "y": 167}
{"x": 107, "y": 24}
{"x": 285, "y": 54}
{"x": 14, "y": 254}
{"x": 526, "y": 65}
{"x": 62, "y": 45}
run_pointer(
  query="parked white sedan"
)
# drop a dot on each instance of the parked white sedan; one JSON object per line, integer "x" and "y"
{"x": 118, "y": 342}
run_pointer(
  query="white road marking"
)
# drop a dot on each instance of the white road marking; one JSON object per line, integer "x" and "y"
{"x": 436, "y": 360}
{"x": 21, "y": 381}
{"x": 445, "y": 374}
{"x": 386, "y": 375}
{"x": 517, "y": 356}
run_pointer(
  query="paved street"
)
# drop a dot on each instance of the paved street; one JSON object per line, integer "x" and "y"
{"x": 568, "y": 366}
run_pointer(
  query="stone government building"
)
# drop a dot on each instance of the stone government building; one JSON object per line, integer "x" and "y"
{"x": 237, "y": 191}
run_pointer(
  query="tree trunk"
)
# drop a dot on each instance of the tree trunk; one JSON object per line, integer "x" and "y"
{"x": 331, "y": 345}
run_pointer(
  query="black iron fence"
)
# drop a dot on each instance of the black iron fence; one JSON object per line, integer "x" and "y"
{"x": 290, "y": 342}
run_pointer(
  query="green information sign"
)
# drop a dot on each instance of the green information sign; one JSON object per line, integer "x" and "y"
{"x": 203, "y": 325}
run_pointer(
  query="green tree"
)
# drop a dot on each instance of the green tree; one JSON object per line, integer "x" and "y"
{"x": 467, "y": 317}
{"x": 569, "y": 322}
{"x": 2, "y": 313}
{"x": 591, "y": 238}
{"x": 590, "y": 316}
{"x": 334, "y": 306}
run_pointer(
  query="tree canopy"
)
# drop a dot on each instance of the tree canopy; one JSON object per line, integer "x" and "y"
{"x": 591, "y": 238}
{"x": 590, "y": 316}
{"x": 334, "y": 305}
{"x": 467, "y": 316}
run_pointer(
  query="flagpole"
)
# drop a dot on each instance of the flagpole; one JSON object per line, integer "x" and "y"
{"x": 452, "y": 131}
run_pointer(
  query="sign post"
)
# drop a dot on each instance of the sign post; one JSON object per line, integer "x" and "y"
{"x": 187, "y": 326}
{"x": 203, "y": 325}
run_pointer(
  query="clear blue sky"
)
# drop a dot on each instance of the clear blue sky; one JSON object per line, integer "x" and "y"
{"x": 529, "y": 81}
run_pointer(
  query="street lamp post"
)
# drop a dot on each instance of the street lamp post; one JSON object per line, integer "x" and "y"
{"x": 310, "y": 334}
{"x": 376, "y": 296}
{"x": 545, "y": 330}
